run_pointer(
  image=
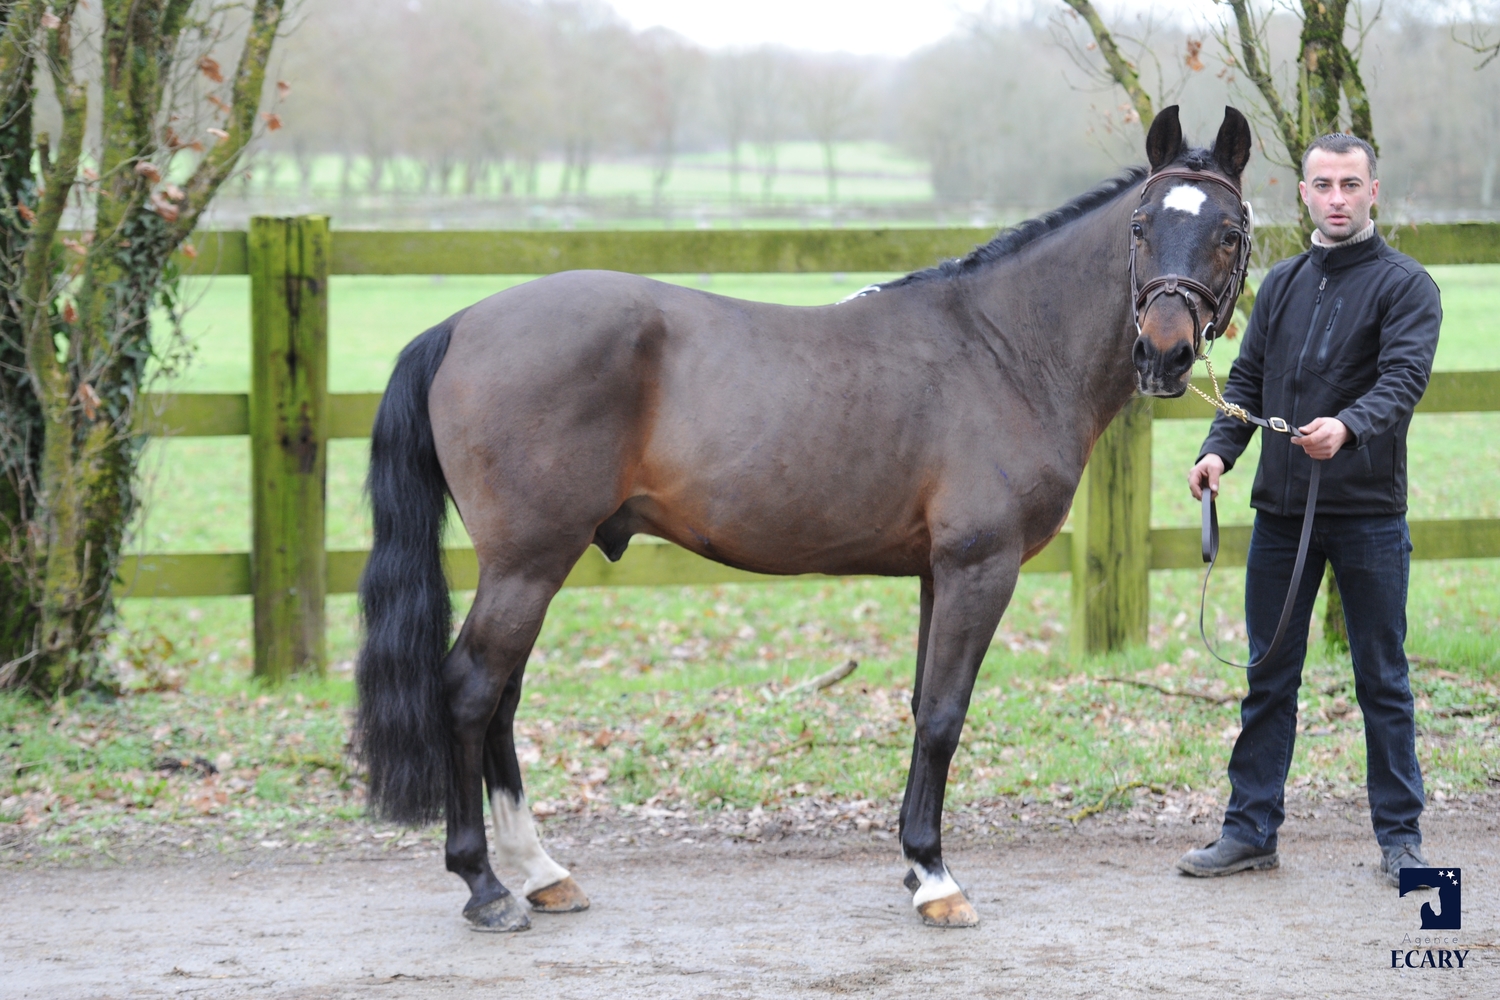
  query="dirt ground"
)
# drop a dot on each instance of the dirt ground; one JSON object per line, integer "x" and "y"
{"x": 1092, "y": 911}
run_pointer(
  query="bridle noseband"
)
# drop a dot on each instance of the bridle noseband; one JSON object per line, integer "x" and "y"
{"x": 1222, "y": 303}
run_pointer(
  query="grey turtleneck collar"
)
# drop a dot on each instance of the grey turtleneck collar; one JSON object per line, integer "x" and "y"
{"x": 1322, "y": 241}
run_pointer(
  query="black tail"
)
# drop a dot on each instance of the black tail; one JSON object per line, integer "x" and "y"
{"x": 403, "y": 726}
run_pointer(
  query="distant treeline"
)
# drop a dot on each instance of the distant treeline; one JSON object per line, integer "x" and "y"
{"x": 1007, "y": 114}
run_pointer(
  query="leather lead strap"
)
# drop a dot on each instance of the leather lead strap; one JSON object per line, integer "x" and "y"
{"x": 1211, "y": 556}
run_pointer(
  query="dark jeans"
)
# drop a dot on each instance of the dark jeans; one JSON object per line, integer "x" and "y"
{"x": 1371, "y": 557}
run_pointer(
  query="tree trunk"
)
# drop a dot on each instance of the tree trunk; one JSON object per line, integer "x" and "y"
{"x": 78, "y": 340}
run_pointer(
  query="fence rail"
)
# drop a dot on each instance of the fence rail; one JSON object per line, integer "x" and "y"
{"x": 352, "y": 414}
{"x": 722, "y": 251}
{"x": 291, "y": 416}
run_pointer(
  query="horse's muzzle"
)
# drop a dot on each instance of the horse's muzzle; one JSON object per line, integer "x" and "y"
{"x": 1162, "y": 373}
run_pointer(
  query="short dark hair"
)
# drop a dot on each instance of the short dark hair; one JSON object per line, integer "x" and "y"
{"x": 1340, "y": 142}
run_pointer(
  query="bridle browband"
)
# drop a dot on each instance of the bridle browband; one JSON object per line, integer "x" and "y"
{"x": 1221, "y": 303}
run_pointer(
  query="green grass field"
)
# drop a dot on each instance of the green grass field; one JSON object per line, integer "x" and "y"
{"x": 674, "y": 694}
{"x": 868, "y": 172}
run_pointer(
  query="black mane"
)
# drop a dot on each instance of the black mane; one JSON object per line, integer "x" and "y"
{"x": 1008, "y": 241}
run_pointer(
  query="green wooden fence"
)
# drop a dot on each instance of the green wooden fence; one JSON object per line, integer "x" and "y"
{"x": 290, "y": 415}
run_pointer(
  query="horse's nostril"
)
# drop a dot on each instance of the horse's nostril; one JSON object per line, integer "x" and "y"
{"x": 1180, "y": 360}
{"x": 1139, "y": 353}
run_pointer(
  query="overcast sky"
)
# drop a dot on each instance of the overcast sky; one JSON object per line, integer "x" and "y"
{"x": 865, "y": 27}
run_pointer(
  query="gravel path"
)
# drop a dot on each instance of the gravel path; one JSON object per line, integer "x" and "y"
{"x": 1096, "y": 911}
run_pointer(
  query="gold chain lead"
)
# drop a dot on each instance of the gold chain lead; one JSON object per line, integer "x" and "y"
{"x": 1217, "y": 400}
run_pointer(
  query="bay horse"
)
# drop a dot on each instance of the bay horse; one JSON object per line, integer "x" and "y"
{"x": 936, "y": 427}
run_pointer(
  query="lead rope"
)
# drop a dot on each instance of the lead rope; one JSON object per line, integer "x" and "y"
{"x": 1211, "y": 526}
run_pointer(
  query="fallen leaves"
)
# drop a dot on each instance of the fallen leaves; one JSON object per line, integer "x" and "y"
{"x": 209, "y": 67}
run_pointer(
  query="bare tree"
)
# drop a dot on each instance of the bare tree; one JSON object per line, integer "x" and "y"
{"x": 975, "y": 107}
{"x": 588, "y": 43}
{"x": 75, "y": 340}
{"x": 1478, "y": 31}
{"x": 1122, "y": 70}
{"x": 831, "y": 95}
{"x": 668, "y": 79}
{"x": 1327, "y": 74}
{"x": 734, "y": 99}
{"x": 768, "y": 70}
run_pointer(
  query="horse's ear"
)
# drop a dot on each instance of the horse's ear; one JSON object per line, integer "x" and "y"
{"x": 1232, "y": 147}
{"x": 1164, "y": 141}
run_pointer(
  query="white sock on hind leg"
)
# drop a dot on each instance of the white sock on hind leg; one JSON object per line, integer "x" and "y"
{"x": 517, "y": 846}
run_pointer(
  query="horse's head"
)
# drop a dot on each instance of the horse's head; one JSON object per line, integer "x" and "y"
{"x": 1190, "y": 245}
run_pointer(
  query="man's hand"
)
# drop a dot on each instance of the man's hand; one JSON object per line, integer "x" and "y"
{"x": 1206, "y": 473}
{"x": 1322, "y": 438}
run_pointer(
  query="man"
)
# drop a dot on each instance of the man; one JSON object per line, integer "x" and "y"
{"x": 1340, "y": 344}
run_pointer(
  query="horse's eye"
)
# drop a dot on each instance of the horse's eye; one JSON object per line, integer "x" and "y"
{"x": 1136, "y": 230}
{"x": 1231, "y": 238}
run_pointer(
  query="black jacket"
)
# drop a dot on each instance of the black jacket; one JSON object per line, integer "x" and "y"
{"x": 1346, "y": 332}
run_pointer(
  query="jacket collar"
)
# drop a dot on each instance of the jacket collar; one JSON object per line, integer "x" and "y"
{"x": 1345, "y": 255}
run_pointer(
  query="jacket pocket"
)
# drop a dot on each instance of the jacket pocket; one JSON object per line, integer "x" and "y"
{"x": 1327, "y": 338}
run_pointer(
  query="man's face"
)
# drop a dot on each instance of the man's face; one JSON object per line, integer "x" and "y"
{"x": 1338, "y": 192}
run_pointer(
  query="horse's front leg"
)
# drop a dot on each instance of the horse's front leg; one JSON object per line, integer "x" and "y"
{"x": 968, "y": 600}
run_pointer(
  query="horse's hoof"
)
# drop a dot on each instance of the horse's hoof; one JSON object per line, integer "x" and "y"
{"x": 559, "y": 897}
{"x": 498, "y": 916}
{"x": 950, "y": 911}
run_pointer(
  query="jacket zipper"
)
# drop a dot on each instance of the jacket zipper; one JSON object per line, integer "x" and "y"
{"x": 1312, "y": 326}
{"x": 1333, "y": 318}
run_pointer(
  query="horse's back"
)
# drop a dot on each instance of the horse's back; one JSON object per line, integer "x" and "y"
{"x": 719, "y": 420}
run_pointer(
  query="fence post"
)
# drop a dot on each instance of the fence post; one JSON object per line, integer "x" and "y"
{"x": 1112, "y": 537}
{"x": 288, "y": 264}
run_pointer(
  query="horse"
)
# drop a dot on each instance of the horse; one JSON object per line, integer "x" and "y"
{"x": 935, "y": 426}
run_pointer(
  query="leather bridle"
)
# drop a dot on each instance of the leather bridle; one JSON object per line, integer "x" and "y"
{"x": 1220, "y": 303}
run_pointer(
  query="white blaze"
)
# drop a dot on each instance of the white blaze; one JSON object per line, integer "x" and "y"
{"x": 1184, "y": 198}
{"x": 517, "y": 846}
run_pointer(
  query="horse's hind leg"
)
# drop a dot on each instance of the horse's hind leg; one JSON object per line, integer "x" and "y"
{"x": 548, "y": 887}
{"x": 484, "y": 665}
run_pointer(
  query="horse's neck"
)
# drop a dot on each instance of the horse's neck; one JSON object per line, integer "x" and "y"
{"x": 1065, "y": 304}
